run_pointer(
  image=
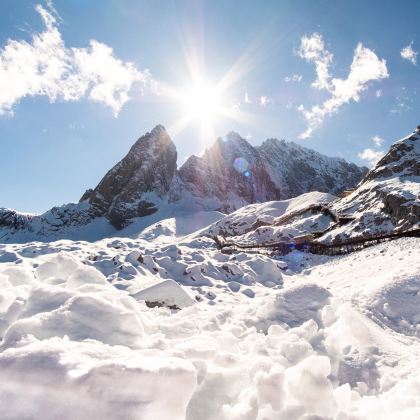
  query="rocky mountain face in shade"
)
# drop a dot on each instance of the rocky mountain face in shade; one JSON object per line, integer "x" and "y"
{"x": 235, "y": 173}
{"x": 230, "y": 174}
{"x": 388, "y": 198}
{"x": 146, "y": 171}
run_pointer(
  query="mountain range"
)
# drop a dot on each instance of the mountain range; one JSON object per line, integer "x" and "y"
{"x": 230, "y": 174}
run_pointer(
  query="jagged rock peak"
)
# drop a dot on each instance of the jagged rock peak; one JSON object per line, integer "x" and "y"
{"x": 135, "y": 184}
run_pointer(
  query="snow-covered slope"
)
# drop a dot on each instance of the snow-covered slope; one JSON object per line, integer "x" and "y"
{"x": 259, "y": 223}
{"x": 87, "y": 332}
{"x": 146, "y": 184}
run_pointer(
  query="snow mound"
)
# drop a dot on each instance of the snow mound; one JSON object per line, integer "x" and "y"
{"x": 58, "y": 378}
{"x": 165, "y": 293}
{"x": 296, "y": 305}
{"x": 397, "y": 305}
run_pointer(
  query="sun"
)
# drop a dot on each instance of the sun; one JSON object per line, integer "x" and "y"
{"x": 202, "y": 102}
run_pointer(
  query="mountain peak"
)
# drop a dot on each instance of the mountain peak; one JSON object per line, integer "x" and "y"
{"x": 146, "y": 170}
{"x": 401, "y": 160}
{"x": 158, "y": 129}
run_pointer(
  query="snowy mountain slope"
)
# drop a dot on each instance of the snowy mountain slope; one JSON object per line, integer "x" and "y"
{"x": 299, "y": 337}
{"x": 388, "y": 198}
{"x": 257, "y": 223}
{"x": 145, "y": 183}
{"x": 296, "y": 170}
{"x": 386, "y": 201}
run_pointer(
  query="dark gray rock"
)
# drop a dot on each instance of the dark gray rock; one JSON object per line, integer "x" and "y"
{"x": 136, "y": 184}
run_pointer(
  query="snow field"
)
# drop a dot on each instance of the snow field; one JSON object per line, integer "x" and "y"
{"x": 250, "y": 342}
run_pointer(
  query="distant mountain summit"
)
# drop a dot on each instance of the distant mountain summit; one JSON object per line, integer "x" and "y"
{"x": 230, "y": 174}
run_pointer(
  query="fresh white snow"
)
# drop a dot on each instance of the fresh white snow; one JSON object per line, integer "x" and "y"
{"x": 256, "y": 338}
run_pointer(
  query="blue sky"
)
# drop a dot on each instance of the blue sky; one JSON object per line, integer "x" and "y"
{"x": 81, "y": 81}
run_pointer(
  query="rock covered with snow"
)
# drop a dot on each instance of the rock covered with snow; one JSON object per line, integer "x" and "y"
{"x": 388, "y": 198}
{"x": 296, "y": 169}
{"x": 166, "y": 293}
{"x": 232, "y": 172}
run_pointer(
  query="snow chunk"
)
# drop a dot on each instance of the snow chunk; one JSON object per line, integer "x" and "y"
{"x": 165, "y": 293}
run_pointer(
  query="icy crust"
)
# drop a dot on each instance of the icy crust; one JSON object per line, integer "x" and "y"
{"x": 302, "y": 338}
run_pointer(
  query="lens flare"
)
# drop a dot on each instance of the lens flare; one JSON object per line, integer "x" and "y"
{"x": 241, "y": 166}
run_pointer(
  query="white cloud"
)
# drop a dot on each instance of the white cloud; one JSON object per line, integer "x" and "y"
{"x": 378, "y": 93}
{"x": 312, "y": 49}
{"x": 377, "y": 140}
{"x": 247, "y": 99}
{"x": 365, "y": 67}
{"x": 46, "y": 67}
{"x": 265, "y": 100}
{"x": 407, "y": 53}
{"x": 371, "y": 156}
{"x": 294, "y": 78}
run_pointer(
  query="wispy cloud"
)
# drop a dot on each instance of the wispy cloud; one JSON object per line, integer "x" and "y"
{"x": 377, "y": 141}
{"x": 46, "y": 67}
{"x": 378, "y": 93}
{"x": 312, "y": 49}
{"x": 265, "y": 100}
{"x": 294, "y": 78}
{"x": 407, "y": 53}
{"x": 365, "y": 67}
{"x": 403, "y": 102}
{"x": 371, "y": 156}
{"x": 247, "y": 99}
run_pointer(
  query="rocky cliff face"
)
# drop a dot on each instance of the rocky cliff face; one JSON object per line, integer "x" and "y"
{"x": 230, "y": 174}
{"x": 134, "y": 185}
{"x": 296, "y": 170}
{"x": 388, "y": 198}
